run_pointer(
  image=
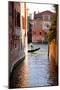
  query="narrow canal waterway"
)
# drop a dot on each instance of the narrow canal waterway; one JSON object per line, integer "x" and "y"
{"x": 35, "y": 70}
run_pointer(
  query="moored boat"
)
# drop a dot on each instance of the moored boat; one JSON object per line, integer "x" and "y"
{"x": 33, "y": 50}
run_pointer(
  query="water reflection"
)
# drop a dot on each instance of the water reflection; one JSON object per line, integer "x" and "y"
{"x": 20, "y": 75}
{"x": 35, "y": 70}
{"x": 53, "y": 70}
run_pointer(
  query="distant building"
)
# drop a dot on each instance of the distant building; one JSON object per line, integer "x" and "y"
{"x": 41, "y": 24}
{"x": 16, "y": 48}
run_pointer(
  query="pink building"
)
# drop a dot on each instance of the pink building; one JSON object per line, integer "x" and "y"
{"x": 41, "y": 25}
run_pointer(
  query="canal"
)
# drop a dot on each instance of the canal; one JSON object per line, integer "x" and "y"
{"x": 35, "y": 70}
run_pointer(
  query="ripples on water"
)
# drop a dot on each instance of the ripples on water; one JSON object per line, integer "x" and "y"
{"x": 35, "y": 71}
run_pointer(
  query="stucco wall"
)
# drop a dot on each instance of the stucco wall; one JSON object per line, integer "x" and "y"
{"x": 53, "y": 52}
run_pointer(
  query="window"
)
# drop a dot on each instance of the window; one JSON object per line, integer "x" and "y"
{"x": 18, "y": 19}
{"x": 40, "y": 33}
{"x": 47, "y": 17}
{"x": 47, "y": 25}
{"x": 15, "y": 44}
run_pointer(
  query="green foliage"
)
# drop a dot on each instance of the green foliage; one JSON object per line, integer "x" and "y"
{"x": 52, "y": 35}
{"x": 53, "y": 30}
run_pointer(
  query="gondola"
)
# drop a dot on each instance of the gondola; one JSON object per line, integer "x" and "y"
{"x": 33, "y": 50}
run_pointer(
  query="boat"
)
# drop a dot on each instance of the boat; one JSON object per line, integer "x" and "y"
{"x": 33, "y": 50}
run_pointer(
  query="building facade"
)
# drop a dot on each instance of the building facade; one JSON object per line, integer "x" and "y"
{"x": 16, "y": 47}
{"x": 41, "y": 24}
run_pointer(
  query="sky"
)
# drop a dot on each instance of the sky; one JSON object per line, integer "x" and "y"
{"x": 39, "y": 7}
